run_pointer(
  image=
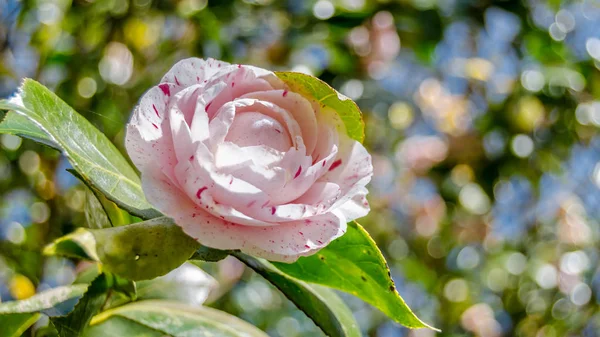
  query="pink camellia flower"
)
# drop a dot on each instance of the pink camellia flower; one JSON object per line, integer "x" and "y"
{"x": 240, "y": 162}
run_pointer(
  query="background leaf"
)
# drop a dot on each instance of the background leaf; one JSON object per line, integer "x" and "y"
{"x": 354, "y": 264}
{"x": 172, "y": 318}
{"x": 322, "y": 305}
{"x": 348, "y": 111}
{"x": 13, "y": 325}
{"x": 88, "y": 150}
{"x": 54, "y": 302}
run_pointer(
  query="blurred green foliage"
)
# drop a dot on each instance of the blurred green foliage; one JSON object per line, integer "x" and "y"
{"x": 482, "y": 118}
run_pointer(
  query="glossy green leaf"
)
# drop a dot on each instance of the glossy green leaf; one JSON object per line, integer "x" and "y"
{"x": 80, "y": 244}
{"x": 19, "y": 125}
{"x": 13, "y": 325}
{"x": 73, "y": 324}
{"x": 119, "y": 326}
{"x": 310, "y": 86}
{"x": 95, "y": 215}
{"x": 170, "y": 318}
{"x": 322, "y": 305}
{"x": 54, "y": 302}
{"x": 354, "y": 264}
{"x": 99, "y": 211}
{"x": 139, "y": 251}
{"x": 209, "y": 254}
{"x": 88, "y": 150}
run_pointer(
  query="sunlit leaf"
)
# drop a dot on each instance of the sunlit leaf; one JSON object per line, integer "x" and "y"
{"x": 322, "y": 305}
{"x": 310, "y": 86}
{"x": 158, "y": 318}
{"x": 19, "y": 125}
{"x": 88, "y": 150}
{"x": 80, "y": 244}
{"x": 54, "y": 302}
{"x": 353, "y": 263}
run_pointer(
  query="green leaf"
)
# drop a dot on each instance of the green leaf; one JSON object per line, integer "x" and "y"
{"x": 19, "y": 125}
{"x": 99, "y": 211}
{"x": 139, "y": 251}
{"x": 54, "y": 302}
{"x": 169, "y": 318}
{"x": 322, "y": 305}
{"x": 310, "y": 86}
{"x": 77, "y": 320}
{"x": 124, "y": 287}
{"x": 354, "y": 264}
{"x": 209, "y": 254}
{"x": 119, "y": 326}
{"x": 144, "y": 250}
{"x": 14, "y": 325}
{"x": 88, "y": 150}
{"x": 95, "y": 215}
{"x": 80, "y": 244}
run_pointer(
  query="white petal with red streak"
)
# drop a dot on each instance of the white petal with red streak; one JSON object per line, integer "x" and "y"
{"x": 193, "y": 70}
{"x": 147, "y": 136}
{"x": 283, "y": 243}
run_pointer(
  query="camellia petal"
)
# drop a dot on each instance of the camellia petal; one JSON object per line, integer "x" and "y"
{"x": 241, "y": 162}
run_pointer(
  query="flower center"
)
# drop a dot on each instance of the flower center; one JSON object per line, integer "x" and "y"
{"x": 253, "y": 128}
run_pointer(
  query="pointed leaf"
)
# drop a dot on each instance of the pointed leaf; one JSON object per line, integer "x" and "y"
{"x": 88, "y": 150}
{"x": 14, "y": 325}
{"x": 19, "y": 125}
{"x": 310, "y": 86}
{"x": 322, "y": 305}
{"x": 99, "y": 211}
{"x": 54, "y": 302}
{"x": 80, "y": 244}
{"x": 170, "y": 318}
{"x": 73, "y": 324}
{"x": 354, "y": 264}
{"x": 95, "y": 215}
